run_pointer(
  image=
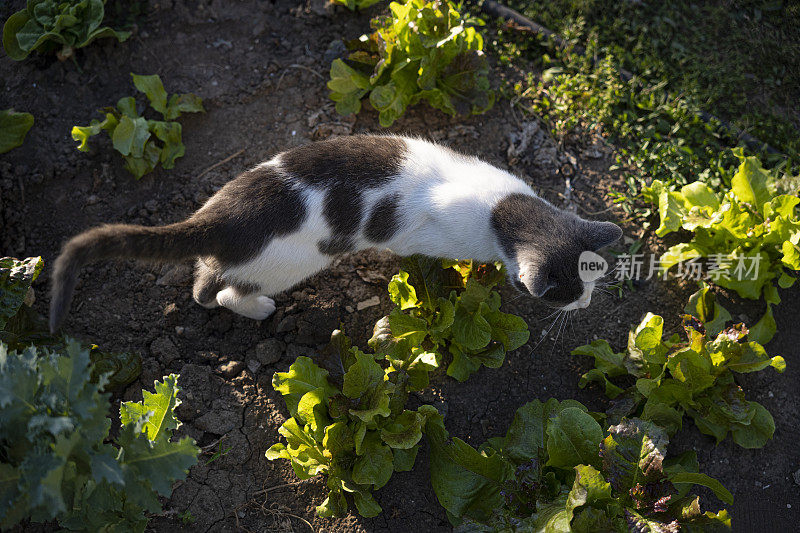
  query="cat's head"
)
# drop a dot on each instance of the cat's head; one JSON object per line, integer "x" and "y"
{"x": 542, "y": 245}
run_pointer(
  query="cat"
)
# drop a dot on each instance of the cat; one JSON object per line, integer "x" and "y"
{"x": 286, "y": 219}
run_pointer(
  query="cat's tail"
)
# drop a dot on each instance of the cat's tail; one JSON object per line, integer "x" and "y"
{"x": 174, "y": 242}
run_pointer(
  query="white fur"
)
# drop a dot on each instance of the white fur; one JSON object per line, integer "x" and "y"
{"x": 446, "y": 201}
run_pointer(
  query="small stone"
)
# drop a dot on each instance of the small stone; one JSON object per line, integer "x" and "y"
{"x": 796, "y": 476}
{"x": 230, "y": 369}
{"x": 269, "y": 351}
{"x": 253, "y": 365}
{"x": 372, "y": 302}
{"x": 349, "y": 309}
{"x": 336, "y": 48}
{"x": 164, "y": 349}
{"x": 218, "y": 422}
{"x": 179, "y": 330}
{"x": 294, "y": 351}
{"x": 288, "y": 323}
{"x": 171, "y": 312}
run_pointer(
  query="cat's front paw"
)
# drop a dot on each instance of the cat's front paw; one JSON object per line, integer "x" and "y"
{"x": 252, "y": 306}
{"x": 263, "y": 307}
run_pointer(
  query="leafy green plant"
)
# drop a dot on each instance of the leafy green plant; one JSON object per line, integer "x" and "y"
{"x": 694, "y": 377}
{"x": 353, "y": 427}
{"x": 136, "y": 137}
{"x": 53, "y": 25}
{"x": 352, "y": 5}
{"x": 675, "y": 46}
{"x": 13, "y": 129}
{"x": 446, "y": 307}
{"x": 57, "y": 460}
{"x": 556, "y": 470}
{"x": 424, "y": 51}
{"x": 663, "y": 137}
{"x": 751, "y": 233}
{"x": 21, "y": 326}
{"x": 349, "y": 420}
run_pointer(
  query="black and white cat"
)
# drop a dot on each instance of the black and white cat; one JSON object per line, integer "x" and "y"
{"x": 286, "y": 219}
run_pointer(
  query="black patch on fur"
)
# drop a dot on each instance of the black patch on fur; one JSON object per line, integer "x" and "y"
{"x": 365, "y": 161}
{"x": 247, "y": 213}
{"x": 531, "y": 230}
{"x": 383, "y": 221}
{"x": 345, "y": 167}
{"x": 336, "y": 245}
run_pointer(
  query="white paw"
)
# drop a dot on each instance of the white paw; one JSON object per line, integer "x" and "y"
{"x": 252, "y": 306}
{"x": 261, "y": 308}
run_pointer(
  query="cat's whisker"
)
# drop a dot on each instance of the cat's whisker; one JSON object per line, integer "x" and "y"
{"x": 546, "y": 333}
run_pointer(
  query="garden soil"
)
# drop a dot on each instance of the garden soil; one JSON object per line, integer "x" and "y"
{"x": 261, "y": 68}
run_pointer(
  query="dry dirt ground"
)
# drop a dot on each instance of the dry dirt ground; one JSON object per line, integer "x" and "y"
{"x": 260, "y": 67}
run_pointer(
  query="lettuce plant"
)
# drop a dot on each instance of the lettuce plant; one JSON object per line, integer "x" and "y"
{"x": 556, "y": 470}
{"x": 693, "y": 377}
{"x": 352, "y": 426}
{"x": 352, "y": 5}
{"x": 57, "y": 459}
{"x": 423, "y": 51}
{"x": 142, "y": 142}
{"x": 21, "y": 326}
{"x": 750, "y": 234}
{"x": 446, "y": 308}
{"x": 13, "y": 129}
{"x": 348, "y": 421}
{"x": 55, "y": 25}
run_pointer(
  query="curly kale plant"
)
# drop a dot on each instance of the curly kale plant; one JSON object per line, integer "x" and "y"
{"x": 136, "y": 137}
{"x": 424, "y": 51}
{"x": 351, "y": 426}
{"x": 555, "y": 470}
{"x": 13, "y": 129}
{"x": 750, "y": 233}
{"x": 21, "y": 326}
{"x": 446, "y": 308}
{"x": 694, "y": 377}
{"x": 54, "y": 25}
{"x": 57, "y": 461}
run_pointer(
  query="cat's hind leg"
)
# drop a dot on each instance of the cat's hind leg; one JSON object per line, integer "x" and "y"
{"x": 207, "y": 283}
{"x": 250, "y": 304}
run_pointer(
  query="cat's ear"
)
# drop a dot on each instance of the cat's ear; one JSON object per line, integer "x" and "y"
{"x": 600, "y": 234}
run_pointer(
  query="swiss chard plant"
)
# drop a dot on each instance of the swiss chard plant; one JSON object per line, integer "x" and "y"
{"x": 446, "y": 308}
{"x": 750, "y": 234}
{"x": 556, "y": 470}
{"x": 13, "y": 129}
{"x": 425, "y": 50}
{"x": 22, "y": 326}
{"x": 143, "y": 143}
{"x": 57, "y": 459}
{"x": 350, "y": 425}
{"x": 695, "y": 376}
{"x": 56, "y": 25}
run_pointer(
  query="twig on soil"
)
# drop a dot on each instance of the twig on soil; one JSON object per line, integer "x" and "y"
{"x": 276, "y": 487}
{"x": 295, "y": 65}
{"x": 219, "y": 163}
{"x": 274, "y": 510}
